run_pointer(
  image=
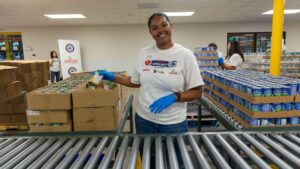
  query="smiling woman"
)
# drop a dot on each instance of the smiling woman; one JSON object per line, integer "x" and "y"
{"x": 168, "y": 76}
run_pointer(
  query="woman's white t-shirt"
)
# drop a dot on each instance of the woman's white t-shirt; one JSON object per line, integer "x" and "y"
{"x": 163, "y": 72}
{"x": 55, "y": 67}
{"x": 235, "y": 60}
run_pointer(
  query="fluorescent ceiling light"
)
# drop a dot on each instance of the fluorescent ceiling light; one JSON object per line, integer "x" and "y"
{"x": 65, "y": 16}
{"x": 179, "y": 13}
{"x": 287, "y": 11}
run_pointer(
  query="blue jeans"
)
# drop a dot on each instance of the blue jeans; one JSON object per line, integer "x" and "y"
{"x": 147, "y": 127}
{"x": 55, "y": 75}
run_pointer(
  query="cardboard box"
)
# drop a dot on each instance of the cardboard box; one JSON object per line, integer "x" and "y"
{"x": 280, "y": 114}
{"x": 51, "y": 101}
{"x": 96, "y": 119}
{"x": 208, "y": 88}
{"x": 21, "y": 99}
{"x": 6, "y": 108}
{"x": 7, "y": 75}
{"x": 50, "y": 128}
{"x": 19, "y": 108}
{"x": 224, "y": 109}
{"x": 94, "y": 98}
{"x": 51, "y": 116}
{"x": 297, "y": 98}
{"x": 270, "y": 99}
{"x": 18, "y": 118}
{"x": 220, "y": 85}
{"x": 4, "y": 119}
{"x": 10, "y": 91}
{"x": 208, "y": 79}
{"x": 226, "y": 98}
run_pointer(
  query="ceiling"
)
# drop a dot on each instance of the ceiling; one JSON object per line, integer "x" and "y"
{"x": 28, "y": 13}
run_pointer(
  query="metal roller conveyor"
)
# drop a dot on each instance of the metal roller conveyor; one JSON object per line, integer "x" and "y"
{"x": 191, "y": 150}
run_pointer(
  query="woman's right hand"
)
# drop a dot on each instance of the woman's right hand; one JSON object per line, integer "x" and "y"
{"x": 107, "y": 75}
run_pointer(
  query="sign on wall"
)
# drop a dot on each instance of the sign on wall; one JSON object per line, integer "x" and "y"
{"x": 70, "y": 57}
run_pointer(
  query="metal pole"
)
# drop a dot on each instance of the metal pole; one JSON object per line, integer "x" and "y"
{"x": 215, "y": 153}
{"x": 59, "y": 154}
{"x": 159, "y": 158}
{"x": 29, "y": 159}
{"x": 94, "y": 158}
{"x": 147, "y": 153}
{"x": 232, "y": 153}
{"x": 171, "y": 153}
{"x": 293, "y": 147}
{"x": 289, "y": 156}
{"x": 276, "y": 44}
{"x": 78, "y": 163}
{"x": 46, "y": 155}
{"x": 6, "y": 143}
{"x": 11, "y": 146}
{"x": 294, "y": 138}
{"x": 258, "y": 161}
{"x": 65, "y": 163}
{"x": 133, "y": 154}
{"x": 107, "y": 157}
{"x": 201, "y": 159}
{"x": 267, "y": 152}
{"x": 19, "y": 157}
{"x": 121, "y": 154}
{"x": 16, "y": 151}
{"x": 184, "y": 154}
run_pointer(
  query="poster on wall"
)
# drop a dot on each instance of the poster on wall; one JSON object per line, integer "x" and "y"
{"x": 70, "y": 57}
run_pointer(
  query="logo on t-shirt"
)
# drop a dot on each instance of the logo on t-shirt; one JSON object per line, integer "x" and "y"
{"x": 173, "y": 63}
{"x": 148, "y": 62}
{"x": 161, "y": 63}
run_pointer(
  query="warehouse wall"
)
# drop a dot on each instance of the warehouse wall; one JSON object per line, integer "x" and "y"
{"x": 115, "y": 47}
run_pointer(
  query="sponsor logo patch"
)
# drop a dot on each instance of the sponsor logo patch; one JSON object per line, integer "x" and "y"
{"x": 161, "y": 63}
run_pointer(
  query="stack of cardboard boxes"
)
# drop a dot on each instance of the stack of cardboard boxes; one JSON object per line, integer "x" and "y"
{"x": 31, "y": 74}
{"x": 49, "y": 108}
{"x": 12, "y": 99}
{"x": 95, "y": 110}
{"x": 52, "y": 109}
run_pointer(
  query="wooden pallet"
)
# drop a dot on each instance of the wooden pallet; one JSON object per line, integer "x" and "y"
{"x": 5, "y": 127}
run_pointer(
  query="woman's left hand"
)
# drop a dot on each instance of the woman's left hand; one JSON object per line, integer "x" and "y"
{"x": 160, "y": 104}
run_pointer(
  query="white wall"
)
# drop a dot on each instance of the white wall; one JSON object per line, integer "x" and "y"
{"x": 116, "y": 47}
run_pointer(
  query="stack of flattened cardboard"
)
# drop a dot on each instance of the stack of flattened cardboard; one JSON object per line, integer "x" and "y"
{"x": 96, "y": 110}
{"x": 12, "y": 99}
{"x": 31, "y": 73}
{"x": 49, "y": 108}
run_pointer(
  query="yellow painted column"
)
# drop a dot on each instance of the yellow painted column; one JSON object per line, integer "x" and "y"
{"x": 276, "y": 44}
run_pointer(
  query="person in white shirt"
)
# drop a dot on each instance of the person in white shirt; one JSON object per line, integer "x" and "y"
{"x": 54, "y": 67}
{"x": 213, "y": 45}
{"x": 234, "y": 58}
{"x": 168, "y": 76}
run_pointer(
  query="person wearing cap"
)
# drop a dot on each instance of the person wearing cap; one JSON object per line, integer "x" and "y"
{"x": 234, "y": 58}
{"x": 213, "y": 45}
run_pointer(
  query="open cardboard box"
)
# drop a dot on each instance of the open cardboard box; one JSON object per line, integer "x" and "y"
{"x": 99, "y": 97}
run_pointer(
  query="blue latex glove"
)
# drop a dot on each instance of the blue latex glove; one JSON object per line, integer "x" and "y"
{"x": 107, "y": 75}
{"x": 160, "y": 104}
{"x": 221, "y": 61}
